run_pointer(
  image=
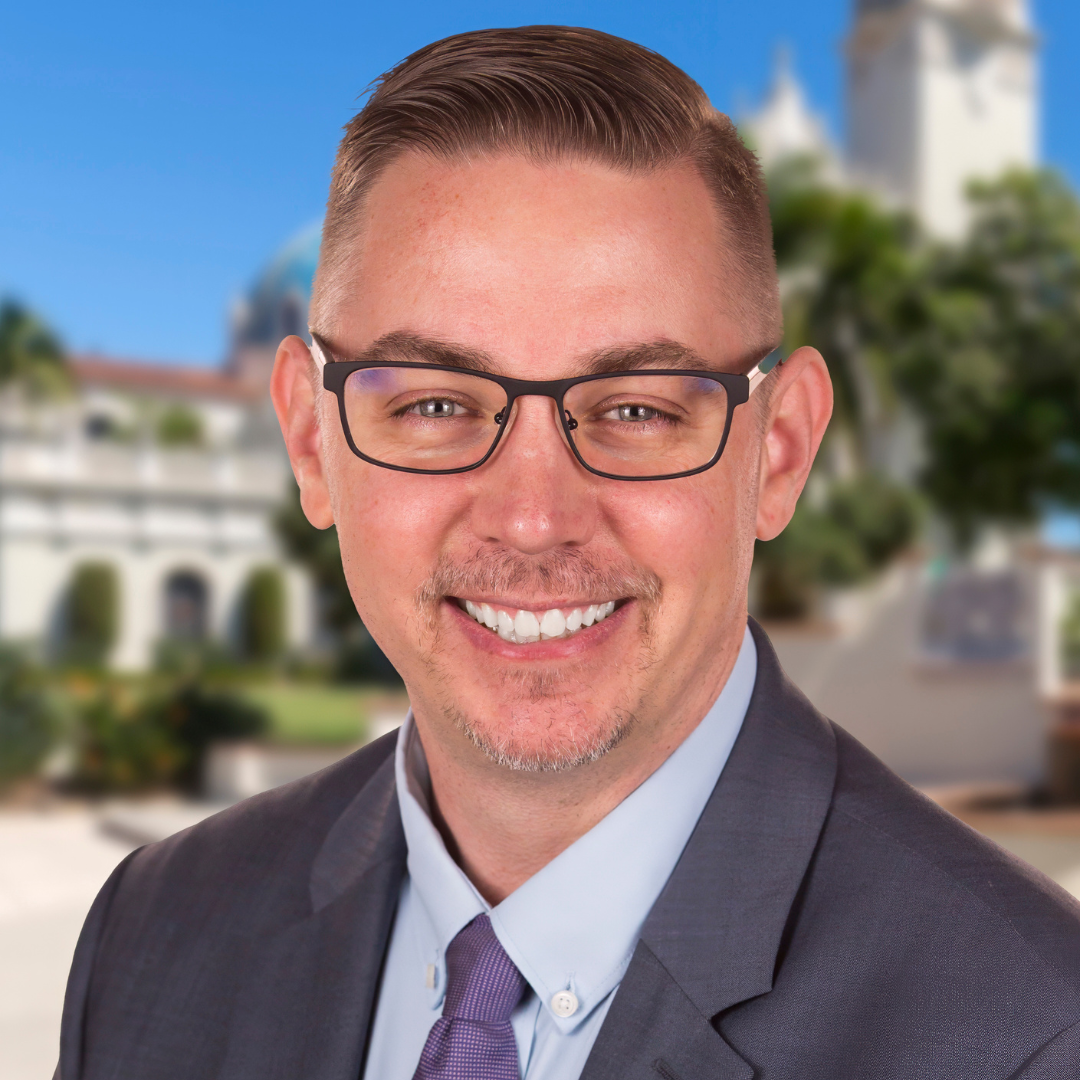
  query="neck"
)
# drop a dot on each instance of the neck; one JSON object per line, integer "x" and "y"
{"x": 503, "y": 826}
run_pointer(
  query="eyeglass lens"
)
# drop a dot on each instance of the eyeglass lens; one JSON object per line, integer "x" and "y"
{"x": 629, "y": 425}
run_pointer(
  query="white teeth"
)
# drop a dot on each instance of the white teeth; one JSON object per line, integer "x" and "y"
{"x": 553, "y": 624}
{"x": 527, "y": 626}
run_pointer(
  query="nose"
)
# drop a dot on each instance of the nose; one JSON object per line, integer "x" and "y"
{"x": 533, "y": 494}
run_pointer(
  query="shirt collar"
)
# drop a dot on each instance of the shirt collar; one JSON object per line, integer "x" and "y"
{"x": 574, "y": 924}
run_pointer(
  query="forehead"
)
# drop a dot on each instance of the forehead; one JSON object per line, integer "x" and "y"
{"x": 538, "y": 264}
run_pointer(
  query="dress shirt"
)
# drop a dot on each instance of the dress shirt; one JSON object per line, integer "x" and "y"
{"x": 572, "y": 927}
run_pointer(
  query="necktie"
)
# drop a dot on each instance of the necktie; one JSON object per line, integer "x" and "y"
{"x": 473, "y": 1039}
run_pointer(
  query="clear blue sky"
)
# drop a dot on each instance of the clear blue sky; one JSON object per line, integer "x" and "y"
{"x": 154, "y": 155}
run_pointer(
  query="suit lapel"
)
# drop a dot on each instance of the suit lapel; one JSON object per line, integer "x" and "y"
{"x": 653, "y": 1031}
{"x": 307, "y": 1011}
{"x": 713, "y": 937}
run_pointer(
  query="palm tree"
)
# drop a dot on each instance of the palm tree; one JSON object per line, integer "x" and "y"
{"x": 30, "y": 353}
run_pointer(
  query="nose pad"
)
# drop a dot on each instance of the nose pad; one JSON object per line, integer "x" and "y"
{"x": 515, "y": 411}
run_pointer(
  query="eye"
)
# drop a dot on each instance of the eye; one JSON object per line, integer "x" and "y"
{"x": 436, "y": 408}
{"x": 635, "y": 414}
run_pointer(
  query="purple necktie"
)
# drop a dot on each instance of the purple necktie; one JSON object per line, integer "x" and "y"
{"x": 473, "y": 1039}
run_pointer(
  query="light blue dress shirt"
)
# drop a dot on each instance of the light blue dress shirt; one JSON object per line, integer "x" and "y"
{"x": 572, "y": 926}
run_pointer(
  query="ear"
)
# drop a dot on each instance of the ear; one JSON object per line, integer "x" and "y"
{"x": 294, "y": 391}
{"x": 798, "y": 413}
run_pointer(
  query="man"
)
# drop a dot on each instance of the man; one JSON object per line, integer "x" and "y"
{"x": 542, "y": 408}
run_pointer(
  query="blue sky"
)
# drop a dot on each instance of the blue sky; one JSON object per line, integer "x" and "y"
{"x": 154, "y": 156}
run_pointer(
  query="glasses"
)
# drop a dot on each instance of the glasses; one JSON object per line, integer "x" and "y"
{"x": 655, "y": 424}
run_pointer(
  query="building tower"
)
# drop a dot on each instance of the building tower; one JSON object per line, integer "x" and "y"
{"x": 939, "y": 92}
{"x": 786, "y": 127}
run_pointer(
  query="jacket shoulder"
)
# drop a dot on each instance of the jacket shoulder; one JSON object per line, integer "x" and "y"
{"x": 273, "y": 836}
{"x": 897, "y": 825}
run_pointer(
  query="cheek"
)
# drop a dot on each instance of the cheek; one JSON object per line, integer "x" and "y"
{"x": 687, "y": 531}
{"x": 391, "y": 528}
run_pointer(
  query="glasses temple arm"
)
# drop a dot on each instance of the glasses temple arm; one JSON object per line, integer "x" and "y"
{"x": 761, "y": 369}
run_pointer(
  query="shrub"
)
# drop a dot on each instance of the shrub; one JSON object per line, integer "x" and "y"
{"x": 865, "y": 522}
{"x": 179, "y": 425}
{"x": 262, "y": 615}
{"x": 92, "y": 613}
{"x": 130, "y": 739}
{"x": 120, "y": 747}
{"x": 28, "y": 718}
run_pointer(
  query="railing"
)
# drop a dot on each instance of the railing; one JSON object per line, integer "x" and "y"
{"x": 79, "y": 464}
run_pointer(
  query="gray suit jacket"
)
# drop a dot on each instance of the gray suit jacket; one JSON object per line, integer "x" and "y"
{"x": 825, "y": 921}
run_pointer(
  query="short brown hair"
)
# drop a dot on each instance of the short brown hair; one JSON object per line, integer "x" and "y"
{"x": 554, "y": 93}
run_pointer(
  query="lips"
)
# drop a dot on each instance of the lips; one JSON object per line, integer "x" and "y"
{"x": 522, "y": 626}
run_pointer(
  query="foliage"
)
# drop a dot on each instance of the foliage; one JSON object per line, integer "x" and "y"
{"x": 992, "y": 359}
{"x": 179, "y": 425}
{"x": 1070, "y": 639}
{"x": 28, "y": 716}
{"x": 262, "y": 615}
{"x": 131, "y": 740}
{"x": 847, "y": 268}
{"x": 194, "y": 716}
{"x": 121, "y": 748}
{"x": 93, "y": 613}
{"x": 980, "y": 338}
{"x": 863, "y": 524}
{"x": 30, "y": 353}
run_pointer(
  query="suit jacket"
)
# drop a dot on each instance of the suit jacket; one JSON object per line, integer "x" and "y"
{"x": 825, "y": 921}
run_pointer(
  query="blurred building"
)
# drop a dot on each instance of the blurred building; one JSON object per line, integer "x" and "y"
{"x": 170, "y": 475}
{"x": 939, "y": 92}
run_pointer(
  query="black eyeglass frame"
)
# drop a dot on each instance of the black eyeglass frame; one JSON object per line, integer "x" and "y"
{"x": 739, "y": 387}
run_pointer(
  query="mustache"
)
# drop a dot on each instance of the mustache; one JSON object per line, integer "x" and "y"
{"x": 564, "y": 572}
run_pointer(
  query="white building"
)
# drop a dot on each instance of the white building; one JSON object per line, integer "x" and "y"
{"x": 170, "y": 475}
{"x": 940, "y": 92}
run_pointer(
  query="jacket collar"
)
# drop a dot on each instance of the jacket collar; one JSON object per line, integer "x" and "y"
{"x": 713, "y": 937}
{"x": 718, "y": 923}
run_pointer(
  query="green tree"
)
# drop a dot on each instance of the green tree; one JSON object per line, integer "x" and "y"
{"x": 30, "y": 353}
{"x": 93, "y": 613}
{"x": 991, "y": 357}
{"x": 847, "y": 271}
{"x": 262, "y": 615}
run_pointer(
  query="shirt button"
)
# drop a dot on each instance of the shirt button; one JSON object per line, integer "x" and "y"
{"x": 564, "y": 1003}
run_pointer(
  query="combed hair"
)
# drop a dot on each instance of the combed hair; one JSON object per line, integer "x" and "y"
{"x": 554, "y": 94}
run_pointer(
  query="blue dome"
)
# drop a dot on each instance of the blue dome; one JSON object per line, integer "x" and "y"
{"x": 278, "y": 303}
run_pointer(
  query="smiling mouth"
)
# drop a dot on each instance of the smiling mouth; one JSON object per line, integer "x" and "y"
{"x": 522, "y": 627}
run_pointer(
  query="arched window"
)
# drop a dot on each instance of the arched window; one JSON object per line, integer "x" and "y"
{"x": 186, "y": 606}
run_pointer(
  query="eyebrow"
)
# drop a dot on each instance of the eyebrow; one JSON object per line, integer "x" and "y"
{"x": 417, "y": 348}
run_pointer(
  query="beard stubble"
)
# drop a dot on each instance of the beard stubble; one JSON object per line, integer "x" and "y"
{"x": 555, "y": 727}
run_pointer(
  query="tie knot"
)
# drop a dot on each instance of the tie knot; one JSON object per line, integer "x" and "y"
{"x": 482, "y": 983}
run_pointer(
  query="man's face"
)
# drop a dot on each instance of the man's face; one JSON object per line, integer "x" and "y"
{"x": 540, "y": 269}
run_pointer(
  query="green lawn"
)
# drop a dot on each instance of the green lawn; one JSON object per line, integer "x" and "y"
{"x": 304, "y": 713}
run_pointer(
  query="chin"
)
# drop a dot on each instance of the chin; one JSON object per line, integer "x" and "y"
{"x": 540, "y": 721}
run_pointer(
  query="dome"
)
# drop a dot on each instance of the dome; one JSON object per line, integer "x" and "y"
{"x": 277, "y": 304}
